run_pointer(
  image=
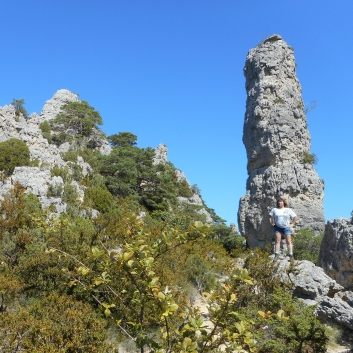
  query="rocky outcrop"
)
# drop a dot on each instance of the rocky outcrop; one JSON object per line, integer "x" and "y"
{"x": 336, "y": 251}
{"x": 311, "y": 285}
{"x": 337, "y": 309}
{"x": 36, "y": 181}
{"x": 52, "y": 107}
{"x": 28, "y": 131}
{"x": 161, "y": 156}
{"x": 277, "y": 143}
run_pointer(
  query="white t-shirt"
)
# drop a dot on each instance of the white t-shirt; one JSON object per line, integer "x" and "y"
{"x": 282, "y": 216}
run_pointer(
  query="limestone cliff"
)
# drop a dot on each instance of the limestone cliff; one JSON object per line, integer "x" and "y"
{"x": 336, "y": 251}
{"x": 38, "y": 179}
{"x": 277, "y": 143}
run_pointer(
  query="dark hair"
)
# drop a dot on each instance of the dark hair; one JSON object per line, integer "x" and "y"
{"x": 285, "y": 204}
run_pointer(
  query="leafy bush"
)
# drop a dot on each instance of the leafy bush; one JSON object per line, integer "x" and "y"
{"x": 200, "y": 273}
{"x": 307, "y": 245}
{"x": 99, "y": 199}
{"x": 59, "y": 171}
{"x": 55, "y": 324}
{"x": 46, "y": 130}
{"x": 13, "y": 153}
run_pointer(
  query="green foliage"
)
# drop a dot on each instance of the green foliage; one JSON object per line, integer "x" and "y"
{"x": 60, "y": 171}
{"x": 99, "y": 198}
{"x": 184, "y": 189}
{"x": 307, "y": 245}
{"x": 294, "y": 328}
{"x": 76, "y": 120}
{"x": 200, "y": 273}
{"x": 129, "y": 171}
{"x": 46, "y": 130}
{"x": 54, "y": 191}
{"x": 70, "y": 156}
{"x": 18, "y": 104}
{"x": 13, "y": 153}
{"x": 55, "y": 324}
{"x": 122, "y": 139}
{"x": 310, "y": 158}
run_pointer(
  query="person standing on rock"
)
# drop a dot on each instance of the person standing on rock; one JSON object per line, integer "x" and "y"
{"x": 283, "y": 219}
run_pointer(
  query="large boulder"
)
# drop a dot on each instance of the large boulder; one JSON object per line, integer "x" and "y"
{"x": 311, "y": 285}
{"x": 277, "y": 142}
{"x": 336, "y": 251}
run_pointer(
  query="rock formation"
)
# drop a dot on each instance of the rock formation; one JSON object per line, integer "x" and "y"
{"x": 336, "y": 252}
{"x": 161, "y": 156}
{"x": 311, "y": 285}
{"x": 52, "y": 107}
{"x": 37, "y": 180}
{"x": 277, "y": 143}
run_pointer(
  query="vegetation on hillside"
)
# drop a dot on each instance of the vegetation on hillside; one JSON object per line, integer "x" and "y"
{"x": 13, "y": 153}
{"x": 83, "y": 281}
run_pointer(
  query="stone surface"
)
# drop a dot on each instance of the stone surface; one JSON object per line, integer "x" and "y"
{"x": 336, "y": 251}
{"x": 276, "y": 139}
{"x": 336, "y": 309}
{"x": 160, "y": 154}
{"x": 52, "y": 107}
{"x": 37, "y": 182}
{"x": 309, "y": 281}
{"x": 314, "y": 287}
{"x": 28, "y": 131}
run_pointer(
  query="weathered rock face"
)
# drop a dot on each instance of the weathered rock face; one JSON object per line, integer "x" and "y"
{"x": 37, "y": 180}
{"x": 52, "y": 107}
{"x": 277, "y": 140}
{"x": 336, "y": 252}
{"x": 160, "y": 154}
{"x": 314, "y": 287}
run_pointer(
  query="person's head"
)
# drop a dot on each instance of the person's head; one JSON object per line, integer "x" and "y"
{"x": 285, "y": 204}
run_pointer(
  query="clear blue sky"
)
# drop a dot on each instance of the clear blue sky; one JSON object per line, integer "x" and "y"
{"x": 171, "y": 71}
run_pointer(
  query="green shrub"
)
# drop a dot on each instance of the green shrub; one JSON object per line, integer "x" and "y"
{"x": 46, "y": 130}
{"x": 279, "y": 100}
{"x": 34, "y": 162}
{"x": 310, "y": 158}
{"x": 13, "y": 153}
{"x": 54, "y": 191}
{"x": 69, "y": 156}
{"x": 18, "y": 104}
{"x": 307, "y": 245}
{"x": 59, "y": 171}
{"x": 184, "y": 189}
{"x": 200, "y": 273}
{"x": 99, "y": 199}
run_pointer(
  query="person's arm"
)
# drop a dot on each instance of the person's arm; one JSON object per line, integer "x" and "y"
{"x": 294, "y": 221}
{"x": 272, "y": 221}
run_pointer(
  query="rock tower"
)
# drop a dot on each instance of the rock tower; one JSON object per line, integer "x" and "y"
{"x": 277, "y": 142}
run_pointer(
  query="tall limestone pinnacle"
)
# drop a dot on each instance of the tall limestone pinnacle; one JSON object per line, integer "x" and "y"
{"x": 277, "y": 143}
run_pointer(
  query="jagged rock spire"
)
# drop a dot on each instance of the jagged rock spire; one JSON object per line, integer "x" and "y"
{"x": 277, "y": 143}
